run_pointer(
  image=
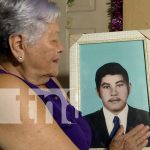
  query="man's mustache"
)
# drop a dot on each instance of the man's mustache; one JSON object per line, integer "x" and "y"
{"x": 116, "y": 99}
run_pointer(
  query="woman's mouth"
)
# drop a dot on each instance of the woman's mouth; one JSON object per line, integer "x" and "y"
{"x": 56, "y": 60}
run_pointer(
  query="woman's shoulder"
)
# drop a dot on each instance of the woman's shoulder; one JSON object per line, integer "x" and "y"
{"x": 28, "y": 118}
{"x": 10, "y": 81}
{"x": 15, "y": 95}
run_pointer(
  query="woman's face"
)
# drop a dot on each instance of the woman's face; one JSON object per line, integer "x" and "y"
{"x": 43, "y": 56}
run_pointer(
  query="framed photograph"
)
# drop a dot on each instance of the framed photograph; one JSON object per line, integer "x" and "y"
{"x": 130, "y": 49}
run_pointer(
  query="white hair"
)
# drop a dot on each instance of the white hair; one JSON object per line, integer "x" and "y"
{"x": 28, "y": 17}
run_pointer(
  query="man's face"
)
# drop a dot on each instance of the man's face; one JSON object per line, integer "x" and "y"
{"x": 114, "y": 92}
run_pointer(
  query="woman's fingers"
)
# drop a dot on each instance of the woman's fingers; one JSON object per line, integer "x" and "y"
{"x": 118, "y": 141}
{"x": 139, "y": 133}
{"x": 135, "y": 130}
{"x": 142, "y": 145}
{"x": 136, "y": 139}
{"x": 143, "y": 135}
{"x": 120, "y": 132}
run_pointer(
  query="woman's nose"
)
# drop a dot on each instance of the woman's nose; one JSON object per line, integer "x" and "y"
{"x": 61, "y": 47}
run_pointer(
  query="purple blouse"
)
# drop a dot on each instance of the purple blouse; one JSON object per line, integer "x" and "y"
{"x": 68, "y": 118}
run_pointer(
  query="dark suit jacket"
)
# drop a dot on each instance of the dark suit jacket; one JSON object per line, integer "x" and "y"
{"x": 100, "y": 136}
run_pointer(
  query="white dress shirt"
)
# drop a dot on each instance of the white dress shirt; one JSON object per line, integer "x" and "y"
{"x": 109, "y": 118}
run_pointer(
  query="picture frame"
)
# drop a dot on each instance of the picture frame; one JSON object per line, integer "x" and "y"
{"x": 88, "y": 52}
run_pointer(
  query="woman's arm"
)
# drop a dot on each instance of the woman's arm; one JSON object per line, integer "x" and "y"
{"x": 30, "y": 135}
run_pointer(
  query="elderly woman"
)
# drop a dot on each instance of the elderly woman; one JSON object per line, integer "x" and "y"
{"x": 29, "y": 54}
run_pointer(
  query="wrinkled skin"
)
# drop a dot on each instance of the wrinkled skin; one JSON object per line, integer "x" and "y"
{"x": 136, "y": 139}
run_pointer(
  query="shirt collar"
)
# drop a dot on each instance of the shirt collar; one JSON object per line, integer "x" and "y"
{"x": 110, "y": 116}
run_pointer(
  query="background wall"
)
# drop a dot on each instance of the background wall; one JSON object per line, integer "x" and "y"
{"x": 85, "y": 16}
{"x": 136, "y": 14}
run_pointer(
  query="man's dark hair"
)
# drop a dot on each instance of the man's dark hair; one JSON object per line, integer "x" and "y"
{"x": 111, "y": 68}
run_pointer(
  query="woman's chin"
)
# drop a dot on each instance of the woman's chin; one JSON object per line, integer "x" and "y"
{"x": 54, "y": 73}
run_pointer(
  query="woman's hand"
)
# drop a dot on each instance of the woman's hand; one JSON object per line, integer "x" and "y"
{"x": 118, "y": 141}
{"x": 136, "y": 139}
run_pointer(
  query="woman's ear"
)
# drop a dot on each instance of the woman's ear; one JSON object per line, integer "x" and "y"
{"x": 16, "y": 43}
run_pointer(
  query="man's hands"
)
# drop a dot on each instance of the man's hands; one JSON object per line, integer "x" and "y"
{"x": 136, "y": 139}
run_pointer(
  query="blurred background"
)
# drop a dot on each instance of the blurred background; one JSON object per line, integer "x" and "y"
{"x": 90, "y": 16}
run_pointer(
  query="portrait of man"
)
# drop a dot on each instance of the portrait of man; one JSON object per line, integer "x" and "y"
{"x": 113, "y": 88}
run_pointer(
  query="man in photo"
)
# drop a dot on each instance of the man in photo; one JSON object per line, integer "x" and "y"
{"x": 113, "y": 88}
